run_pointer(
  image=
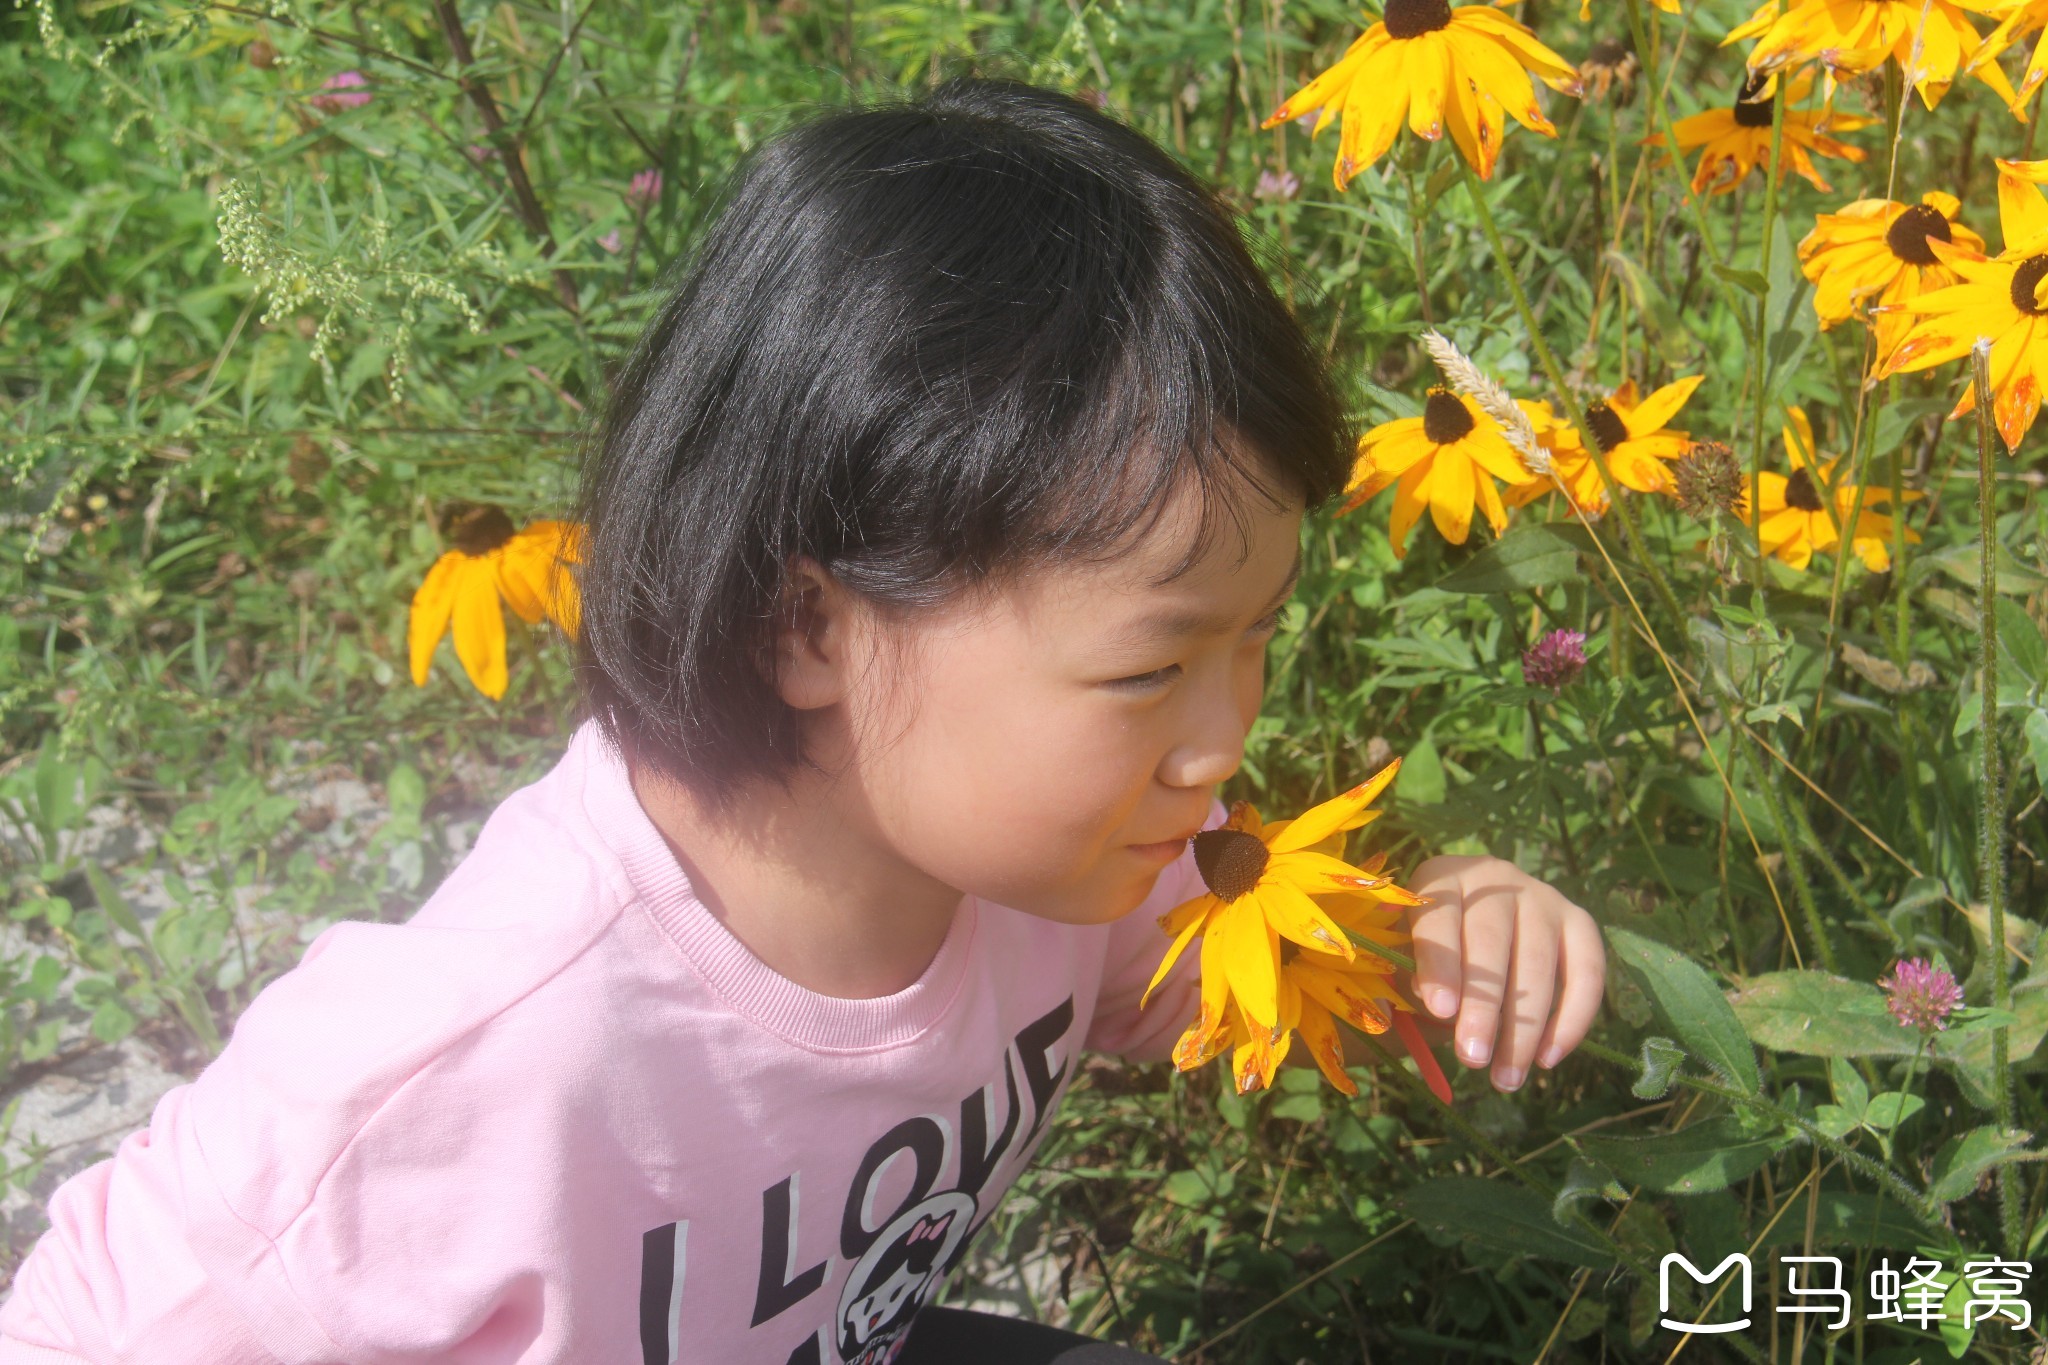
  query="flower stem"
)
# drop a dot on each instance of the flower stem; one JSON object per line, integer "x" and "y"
{"x": 1789, "y": 842}
{"x": 1759, "y": 339}
{"x": 1991, "y": 830}
{"x": 1577, "y": 413}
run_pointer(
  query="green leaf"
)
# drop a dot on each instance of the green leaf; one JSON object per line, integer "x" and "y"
{"x": 1704, "y": 1156}
{"x": 1850, "y": 1091}
{"x": 1820, "y": 1015}
{"x": 2037, "y": 744}
{"x": 2019, "y": 640}
{"x": 1889, "y": 1110}
{"x": 1961, "y": 562}
{"x": 1691, "y": 1005}
{"x": 1527, "y": 557}
{"x": 1964, "y": 1159}
{"x": 1853, "y": 1218}
{"x": 1499, "y": 1214}
{"x": 111, "y": 1022}
{"x": 1421, "y": 779}
{"x": 115, "y": 904}
{"x": 1661, "y": 1059}
{"x": 1749, "y": 280}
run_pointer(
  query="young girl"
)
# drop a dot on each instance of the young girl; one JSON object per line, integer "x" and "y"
{"x": 936, "y": 534}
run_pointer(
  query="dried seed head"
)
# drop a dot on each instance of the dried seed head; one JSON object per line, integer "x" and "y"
{"x": 1709, "y": 481}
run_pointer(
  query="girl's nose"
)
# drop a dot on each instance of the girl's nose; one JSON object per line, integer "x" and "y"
{"x": 1212, "y": 749}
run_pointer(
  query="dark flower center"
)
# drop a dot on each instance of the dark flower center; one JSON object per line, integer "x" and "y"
{"x": 1608, "y": 428}
{"x": 2024, "y": 281}
{"x": 1750, "y": 111}
{"x": 1229, "y": 860}
{"x": 477, "y": 530}
{"x": 1800, "y": 492}
{"x": 1910, "y": 231}
{"x": 1413, "y": 18}
{"x": 1444, "y": 418}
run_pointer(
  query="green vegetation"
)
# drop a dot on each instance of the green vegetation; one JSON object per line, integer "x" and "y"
{"x": 259, "y": 334}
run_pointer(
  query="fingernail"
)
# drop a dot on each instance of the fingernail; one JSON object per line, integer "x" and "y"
{"x": 1550, "y": 1060}
{"x": 1442, "y": 1002}
{"x": 1473, "y": 1050}
{"x": 1510, "y": 1078}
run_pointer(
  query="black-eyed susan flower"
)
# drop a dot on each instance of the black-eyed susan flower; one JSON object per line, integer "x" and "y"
{"x": 1278, "y": 921}
{"x": 1433, "y": 66}
{"x": 1313, "y": 990}
{"x": 492, "y": 566}
{"x": 2003, "y": 300}
{"x": 1262, "y": 880}
{"x": 1795, "y": 515}
{"x": 1445, "y": 460}
{"x": 1849, "y": 37}
{"x": 2022, "y": 19}
{"x": 1874, "y": 254}
{"x": 1737, "y": 140}
{"x": 1633, "y": 434}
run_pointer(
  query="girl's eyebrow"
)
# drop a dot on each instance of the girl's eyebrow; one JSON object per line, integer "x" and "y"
{"x": 1188, "y": 621}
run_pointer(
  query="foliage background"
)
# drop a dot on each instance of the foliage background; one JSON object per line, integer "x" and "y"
{"x": 251, "y": 348}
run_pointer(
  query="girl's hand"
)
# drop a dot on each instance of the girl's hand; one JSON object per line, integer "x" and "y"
{"x": 1494, "y": 936}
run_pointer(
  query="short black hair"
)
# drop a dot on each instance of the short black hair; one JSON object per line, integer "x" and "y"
{"x": 923, "y": 341}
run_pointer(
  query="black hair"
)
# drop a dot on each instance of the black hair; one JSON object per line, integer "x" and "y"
{"x": 924, "y": 342}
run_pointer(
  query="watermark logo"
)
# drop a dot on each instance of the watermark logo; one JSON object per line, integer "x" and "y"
{"x": 1919, "y": 1293}
{"x": 1664, "y": 1291}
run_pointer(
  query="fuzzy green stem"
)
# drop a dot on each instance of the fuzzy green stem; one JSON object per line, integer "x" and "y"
{"x": 1789, "y": 841}
{"x": 1630, "y": 531}
{"x": 1760, "y": 337}
{"x": 1991, "y": 830}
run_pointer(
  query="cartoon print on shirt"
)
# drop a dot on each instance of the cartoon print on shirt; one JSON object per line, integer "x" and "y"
{"x": 889, "y": 1283}
{"x": 893, "y": 1256}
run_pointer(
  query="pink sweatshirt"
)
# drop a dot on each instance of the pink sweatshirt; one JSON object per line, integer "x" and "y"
{"x": 562, "y": 1115}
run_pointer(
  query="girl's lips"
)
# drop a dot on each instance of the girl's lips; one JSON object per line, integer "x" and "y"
{"x": 1165, "y": 851}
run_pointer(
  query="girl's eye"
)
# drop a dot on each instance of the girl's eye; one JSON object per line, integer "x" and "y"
{"x": 1139, "y": 682}
{"x": 1269, "y": 622}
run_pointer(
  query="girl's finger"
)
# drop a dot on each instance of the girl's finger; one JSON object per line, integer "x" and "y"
{"x": 1438, "y": 950}
{"x": 1583, "y": 959}
{"x": 1531, "y": 985}
{"x": 1489, "y": 939}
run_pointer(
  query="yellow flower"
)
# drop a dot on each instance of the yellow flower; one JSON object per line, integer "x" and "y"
{"x": 1737, "y": 140}
{"x": 1274, "y": 962}
{"x": 1633, "y": 436}
{"x": 1446, "y": 459}
{"x": 490, "y": 564}
{"x": 1873, "y": 255}
{"x": 2003, "y": 300}
{"x": 1795, "y": 517}
{"x": 1314, "y": 989}
{"x": 1852, "y": 36}
{"x": 1432, "y": 65}
{"x": 2019, "y": 21}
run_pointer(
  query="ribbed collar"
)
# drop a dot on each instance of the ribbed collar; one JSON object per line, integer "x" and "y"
{"x": 822, "y": 1023}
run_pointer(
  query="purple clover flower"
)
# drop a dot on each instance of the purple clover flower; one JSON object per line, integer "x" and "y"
{"x": 1921, "y": 995}
{"x": 1556, "y": 660}
{"x": 343, "y": 90}
{"x": 1282, "y": 186}
{"x": 645, "y": 189}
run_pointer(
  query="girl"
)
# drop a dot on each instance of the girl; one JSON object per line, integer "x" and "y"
{"x": 936, "y": 533}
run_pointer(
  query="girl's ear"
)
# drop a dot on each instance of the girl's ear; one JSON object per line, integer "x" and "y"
{"x": 810, "y": 636}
